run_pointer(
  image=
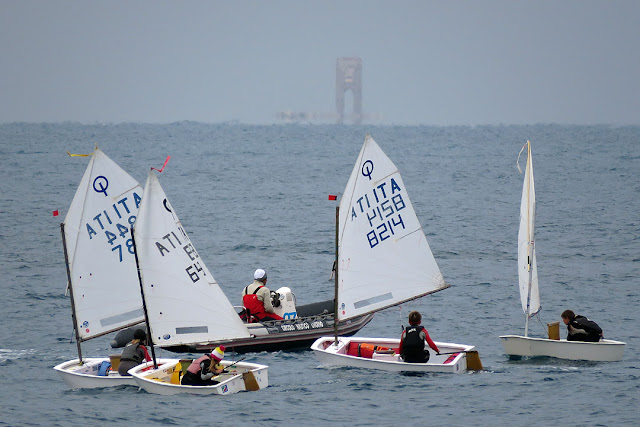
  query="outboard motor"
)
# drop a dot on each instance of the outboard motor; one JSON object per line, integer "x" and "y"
{"x": 287, "y": 303}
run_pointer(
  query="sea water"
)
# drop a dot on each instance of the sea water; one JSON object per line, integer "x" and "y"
{"x": 256, "y": 196}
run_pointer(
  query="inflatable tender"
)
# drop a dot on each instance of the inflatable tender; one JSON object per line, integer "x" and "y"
{"x": 301, "y": 326}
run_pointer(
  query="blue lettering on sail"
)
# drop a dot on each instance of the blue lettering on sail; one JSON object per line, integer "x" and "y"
{"x": 381, "y": 209}
{"x": 137, "y": 199}
{"x": 114, "y": 223}
{"x": 367, "y": 169}
{"x": 91, "y": 232}
{"x": 100, "y": 185}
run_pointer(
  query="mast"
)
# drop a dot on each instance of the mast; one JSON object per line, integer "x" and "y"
{"x": 335, "y": 296}
{"x": 70, "y": 287}
{"x": 529, "y": 263}
{"x": 144, "y": 304}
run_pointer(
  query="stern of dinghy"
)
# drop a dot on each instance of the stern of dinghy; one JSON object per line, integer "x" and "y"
{"x": 473, "y": 361}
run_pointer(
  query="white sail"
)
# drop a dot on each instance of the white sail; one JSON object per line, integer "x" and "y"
{"x": 184, "y": 303}
{"x": 106, "y": 294}
{"x": 527, "y": 268}
{"x": 384, "y": 258}
{"x": 516, "y": 345}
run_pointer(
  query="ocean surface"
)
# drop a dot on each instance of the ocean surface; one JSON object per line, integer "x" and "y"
{"x": 256, "y": 196}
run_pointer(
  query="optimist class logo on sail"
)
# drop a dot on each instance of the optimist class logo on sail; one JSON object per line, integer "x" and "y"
{"x": 380, "y": 207}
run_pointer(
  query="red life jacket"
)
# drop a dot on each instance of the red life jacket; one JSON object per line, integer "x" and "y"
{"x": 255, "y": 306}
{"x": 147, "y": 358}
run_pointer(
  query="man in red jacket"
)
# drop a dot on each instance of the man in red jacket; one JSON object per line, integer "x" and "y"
{"x": 257, "y": 298}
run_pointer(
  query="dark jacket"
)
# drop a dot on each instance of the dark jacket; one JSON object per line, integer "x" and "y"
{"x": 583, "y": 329}
{"x": 413, "y": 350}
{"x": 132, "y": 355}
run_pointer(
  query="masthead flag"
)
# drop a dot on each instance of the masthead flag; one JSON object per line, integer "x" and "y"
{"x": 165, "y": 164}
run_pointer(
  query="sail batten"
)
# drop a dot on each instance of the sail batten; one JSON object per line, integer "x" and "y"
{"x": 122, "y": 317}
{"x": 384, "y": 258}
{"x": 374, "y": 300}
{"x": 396, "y": 303}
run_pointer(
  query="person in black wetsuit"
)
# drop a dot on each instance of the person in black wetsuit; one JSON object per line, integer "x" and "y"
{"x": 579, "y": 328}
{"x": 412, "y": 342}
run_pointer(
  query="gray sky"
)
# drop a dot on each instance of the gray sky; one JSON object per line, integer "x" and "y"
{"x": 424, "y": 62}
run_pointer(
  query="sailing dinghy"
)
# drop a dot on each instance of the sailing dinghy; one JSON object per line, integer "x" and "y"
{"x": 101, "y": 268}
{"x": 516, "y": 345}
{"x": 383, "y": 259}
{"x": 182, "y": 302}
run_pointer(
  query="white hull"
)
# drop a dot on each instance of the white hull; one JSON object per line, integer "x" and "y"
{"x": 86, "y": 375}
{"x": 165, "y": 379}
{"x": 603, "y": 351}
{"x": 332, "y": 355}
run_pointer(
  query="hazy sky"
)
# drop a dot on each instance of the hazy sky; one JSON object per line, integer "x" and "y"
{"x": 424, "y": 62}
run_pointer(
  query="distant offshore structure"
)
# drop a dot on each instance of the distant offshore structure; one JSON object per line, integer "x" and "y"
{"x": 348, "y": 78}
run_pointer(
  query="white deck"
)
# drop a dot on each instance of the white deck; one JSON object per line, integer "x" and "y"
{"x": 77, "y": 376}
{"x": 603, "y": 351}
{"x": 332, "y": 355}
{"x": 166, "y": 381}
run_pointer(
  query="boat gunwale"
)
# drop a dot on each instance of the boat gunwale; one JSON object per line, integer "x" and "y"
{"x": 605, "y": 342}
{"x": 172, "y": 362}
{"x": 320, "y": 341}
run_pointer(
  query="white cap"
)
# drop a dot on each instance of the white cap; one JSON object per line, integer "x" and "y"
{"x": 260, "y": 274}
